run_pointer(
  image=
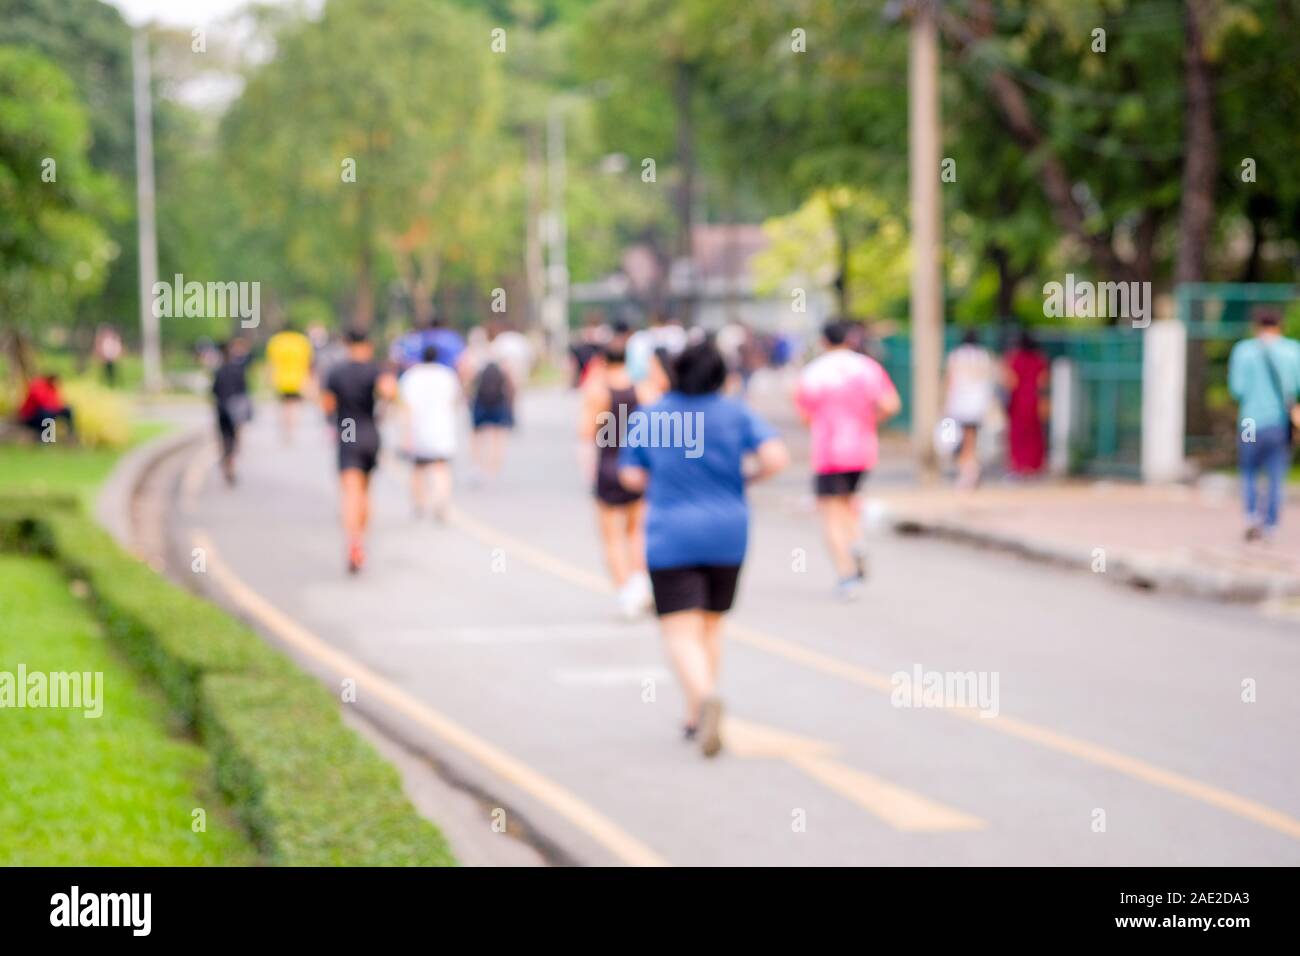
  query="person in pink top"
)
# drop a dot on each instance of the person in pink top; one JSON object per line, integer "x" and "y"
{"x": 844, "y": 396}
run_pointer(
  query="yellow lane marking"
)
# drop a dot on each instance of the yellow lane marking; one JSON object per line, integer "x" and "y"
{"x": 196, "y": 470}
{"x": 578, "y": 812}
{"x": 532, "y": 555}
{"x": 901, "y": 809}
{"x": 1075, "y": 747}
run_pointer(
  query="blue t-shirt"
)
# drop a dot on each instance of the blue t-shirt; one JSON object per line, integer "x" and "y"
{"x": 692, "y": 446}
{"x": 1252, "y": 385}
{"x": 409, "y": 349}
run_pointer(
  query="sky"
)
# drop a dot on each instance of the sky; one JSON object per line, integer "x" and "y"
{"x": 177, "y": 12}
{"x": 212, "y": 90}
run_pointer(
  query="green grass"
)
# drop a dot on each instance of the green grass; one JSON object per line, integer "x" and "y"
{"x": 54, "y": 468}
{"x": 274, "y": 749}
{"x": 113, "y": 790}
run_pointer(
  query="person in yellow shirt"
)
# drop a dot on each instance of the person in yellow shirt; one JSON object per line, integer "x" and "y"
{"x": 288, "y": 360}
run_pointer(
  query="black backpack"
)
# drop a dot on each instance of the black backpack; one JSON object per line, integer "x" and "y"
{"x": 493, "y": 386}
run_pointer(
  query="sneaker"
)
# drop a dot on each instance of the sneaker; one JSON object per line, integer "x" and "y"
{"x": 860, "y": 561}
{"x": 629, "y": 604}
{"x": 849, "y": 589}
{"x": 356, "y": 557}
{"x": 1254, "y": 532}
{"x": 644, "y": 592}
{"x": 710, "y": 727}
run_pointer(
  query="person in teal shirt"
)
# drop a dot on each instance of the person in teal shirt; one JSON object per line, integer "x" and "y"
{"x": 1264, "y": 377}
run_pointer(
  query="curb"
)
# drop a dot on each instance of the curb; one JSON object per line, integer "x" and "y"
{"x": 1127, "y": 569}
{"x": 112, "y": 509}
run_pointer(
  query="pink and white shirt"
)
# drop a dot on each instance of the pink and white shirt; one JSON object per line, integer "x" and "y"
{"x": 839, "y": 392}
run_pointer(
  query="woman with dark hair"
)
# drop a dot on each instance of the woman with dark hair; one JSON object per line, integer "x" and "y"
{"x": 688, "y": 453}
{"x": 1025, "y": 375}
{"x": 609, "y": 398}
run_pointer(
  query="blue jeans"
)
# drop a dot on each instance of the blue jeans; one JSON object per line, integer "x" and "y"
{"x": 1271, "y": 453}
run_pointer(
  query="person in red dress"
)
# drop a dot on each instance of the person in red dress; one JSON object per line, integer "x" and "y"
{"x": 1026, "y": 380}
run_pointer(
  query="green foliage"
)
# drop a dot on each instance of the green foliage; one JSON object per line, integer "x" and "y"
{"x": 309, "y": 790}
{"x": 53, "y": 250}
{"x": 91, "y": 42}
{"x": 409, "y": 95}
{"x": 113, "y": 790}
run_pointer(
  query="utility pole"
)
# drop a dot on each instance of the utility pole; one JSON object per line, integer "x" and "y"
{"x": 150, "y": 344}
{"x": 927, "y": 236}
{"x": 555, "y": 312}
{"x": 534, "y": 228}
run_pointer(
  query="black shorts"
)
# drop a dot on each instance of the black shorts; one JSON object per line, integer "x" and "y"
{"x": 837, "y": 483}
{"x": 699, "y": 587}
{"x": 362, "y": 457}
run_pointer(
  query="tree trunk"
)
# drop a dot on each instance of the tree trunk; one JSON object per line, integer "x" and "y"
{"x": 1200, "y": 152}
{"x": 363, "y": 310}
{"x": 843, "y": 299}
{"x": 1256, "y": 215}
{"x": 1007, "y": 282}
{"x": 1144, "y": 240}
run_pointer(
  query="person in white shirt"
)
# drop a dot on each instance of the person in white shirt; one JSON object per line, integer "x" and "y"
{"x": 971, "y": 378}
{"x": 431, "y": 395}
{"x": 514, "y": 353}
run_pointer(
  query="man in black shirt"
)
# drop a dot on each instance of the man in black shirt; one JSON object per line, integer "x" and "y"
{"x": 349, "y": 395}
{"x": 230, "y": 393}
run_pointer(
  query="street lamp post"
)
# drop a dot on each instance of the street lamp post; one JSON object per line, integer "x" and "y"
{"x": 150, "y": 344}
{"x": 555, "y": 307}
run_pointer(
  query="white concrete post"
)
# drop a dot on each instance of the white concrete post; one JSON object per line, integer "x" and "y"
{"x": 1164, "y": 396}
{"x": 1062, "y": 395}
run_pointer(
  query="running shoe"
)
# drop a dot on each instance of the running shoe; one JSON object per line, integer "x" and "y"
{"x": 710, "y": 727}
{"x": 356, "y": 557}
{"x": 849, "y": 589}
{"x": 860, "y": 561}
{"x": 635, "y": 597}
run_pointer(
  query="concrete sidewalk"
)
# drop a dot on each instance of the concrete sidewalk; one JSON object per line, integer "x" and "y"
{"x": 1176, "y": 537}
{"x": 1173, "y": 537}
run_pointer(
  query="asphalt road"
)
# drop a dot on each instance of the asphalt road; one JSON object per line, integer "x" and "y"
{"x": 1120, "y": 736}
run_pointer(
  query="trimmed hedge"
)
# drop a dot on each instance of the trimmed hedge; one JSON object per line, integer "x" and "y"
{"x": 310, "y": 791}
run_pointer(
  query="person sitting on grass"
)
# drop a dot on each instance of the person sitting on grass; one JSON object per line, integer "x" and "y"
{"x": 43, "y": 405}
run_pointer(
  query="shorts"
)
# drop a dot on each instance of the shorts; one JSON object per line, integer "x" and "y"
{"x": 614, "y": 495}
{"x": 837, "y": 483}
{"x": 362, "y": 457}
{"x": 289, "y": 396}
{"x": 419, "y": 459}
{"x": 609, "y": 490}
{"x": 699, "y": 587}
{"x": 502, "y": 416}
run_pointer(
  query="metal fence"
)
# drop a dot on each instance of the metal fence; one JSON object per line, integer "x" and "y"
{"x": 1107, "y": 433}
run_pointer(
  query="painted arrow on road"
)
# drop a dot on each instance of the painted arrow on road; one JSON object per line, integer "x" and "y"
{"x": 901, "y": 809}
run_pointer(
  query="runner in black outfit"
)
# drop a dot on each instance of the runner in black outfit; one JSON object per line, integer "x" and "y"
{"x": 608, "y": 398}
{"x": 349, "y": 394}
{"x": 230, "y": 394}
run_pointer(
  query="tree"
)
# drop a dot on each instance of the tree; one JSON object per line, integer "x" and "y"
{"x": 53, "y": 246}
{"x": 380, "y": 167}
